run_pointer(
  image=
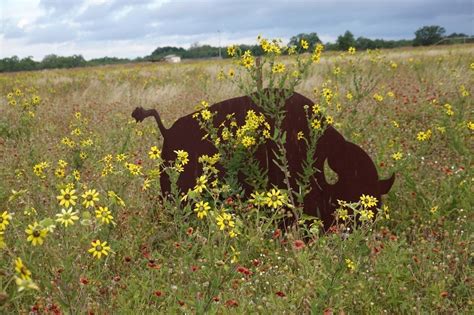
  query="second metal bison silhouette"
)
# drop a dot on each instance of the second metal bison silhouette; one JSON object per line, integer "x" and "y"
{"x": 355, "y": 170}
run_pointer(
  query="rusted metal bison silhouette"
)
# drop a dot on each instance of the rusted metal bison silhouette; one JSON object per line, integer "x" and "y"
{"x": 355, "y": 170}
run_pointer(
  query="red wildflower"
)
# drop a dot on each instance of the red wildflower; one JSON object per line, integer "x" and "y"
{"x": 153, "y": 265}
{"x": 280, "y": 294}
{"x": 244, "y": 270}
{"x": 277, "y": 233}
{"x": 194, "y": 268}
{"x": 231, "y": 303}
{"x": 328, "y": 311}
{"x": 158, "y": 293}
{"x": 444, "y": 294}
{"x": 84, "y": 281}
{"x": 334, "y": 229}
{"x": 298, "y": 244}
{"x": 189, "y": 231}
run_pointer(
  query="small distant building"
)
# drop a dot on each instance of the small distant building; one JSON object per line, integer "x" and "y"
{"x": 172, "y": 59}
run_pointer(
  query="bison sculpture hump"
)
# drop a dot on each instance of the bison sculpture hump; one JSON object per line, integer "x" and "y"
{"x": 356, "y": 173}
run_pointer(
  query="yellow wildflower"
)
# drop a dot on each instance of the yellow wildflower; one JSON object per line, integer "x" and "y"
{"x": 182, "y": 156}
{"x": 154, "y": 153}
{"x": 67, "y": 217}
{"x": 231, "y": 50}
{"x": 304, "y": 44}
{"x": 90, "y": 197}
{"x": 104, "y": 214}
{"x": 300, "y": 135}
{"x": 200, "y": 184}
{"x": 316, "y": 124}
{"x": 368, "y": 201}
{"x": 278, "y": 68}
{"x": 275, "y": 198}
{"x": 350, "y": 264}
{"x": 224, "y": 220}
{"x": 21, "y": 269}
{"x": 5, "y": 218}
{"x": 98, "y": 249}
{"x": 201, "y": 209}
{"x": 25, "y": 284}
{"x": 248, "y": 141}
{"x": 397, "y": 156}
{"x": 36, "y": 234}
{"x": 206, "y": 114}
{"x": 366, "y": 215}
{"x": 67, "y": 197}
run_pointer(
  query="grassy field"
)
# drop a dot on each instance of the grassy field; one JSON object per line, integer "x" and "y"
{"x": 70, "y": 132}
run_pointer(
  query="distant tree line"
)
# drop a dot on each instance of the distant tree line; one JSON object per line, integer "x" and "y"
{"x": 55, "y": 62}
{"x": 424, "y": 36}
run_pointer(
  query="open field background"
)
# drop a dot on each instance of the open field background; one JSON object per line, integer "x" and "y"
{"x": 416, "y": 258}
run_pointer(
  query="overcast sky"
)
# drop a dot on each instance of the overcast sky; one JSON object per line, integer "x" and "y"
{"x": 134, "y": 28}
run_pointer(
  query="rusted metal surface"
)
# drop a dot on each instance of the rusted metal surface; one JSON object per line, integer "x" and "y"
{"x": 355, "y": 170}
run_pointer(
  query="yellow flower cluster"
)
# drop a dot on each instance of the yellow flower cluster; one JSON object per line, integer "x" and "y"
{"x": 201, "y": 182}
{"x": 274, "y": 198}
{"x": 226, "y": 222}
{"x": 247, "y": 60}
{"x": 350, "y": 264}
{"x": 464, "y": 92}
{"x": 316, "y": 56}
{"x": 278, "y": 68}
{"x": 133, "y": 168}
{"x": 23, "y": 276}
{"x": 182, "y": 158}
{"x": 248, "y": 134}
{"x": 5, "y": 218}
{"x": 448, "y": 109}
{"x": 378, "y": 97}
{"x": 423, "y": 135}
{"x": 39, "y": 168}
{"x": 209, "y": 163}
{"x": 327, "y": 94}
{"x": 28, "y": 99}
{"x": 273, "y": 46}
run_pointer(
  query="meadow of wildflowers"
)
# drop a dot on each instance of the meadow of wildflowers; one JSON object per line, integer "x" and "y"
{"x": 84, "y": 227}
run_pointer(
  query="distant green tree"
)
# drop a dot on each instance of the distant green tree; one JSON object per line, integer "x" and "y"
{"x": 428, "y": 35}
{"x": 161, "y": 52}
{"x": 457, "y": 35}
{"x": 363, "y": 43}
{"x": 311, "y": 38}
{"x": 345, "y": 41}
